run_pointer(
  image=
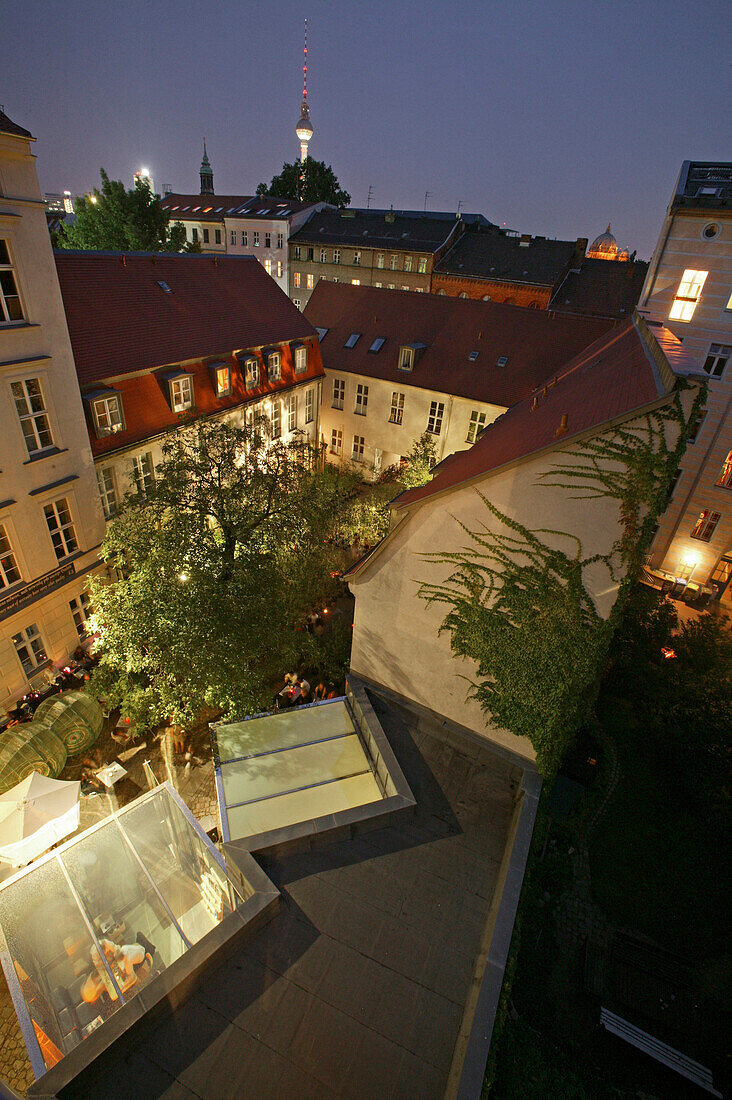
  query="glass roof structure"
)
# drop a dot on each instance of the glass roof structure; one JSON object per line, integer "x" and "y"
{"x": 88, "y": 927}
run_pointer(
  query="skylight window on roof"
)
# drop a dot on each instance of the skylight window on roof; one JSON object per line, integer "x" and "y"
{"x": 164, "y": 286}
{"x": 218, "y": 209}
{"x": 473, "y": 356}
{"x": 284, "y": 213}
{"x": 231, "y": 210}
{"x": 321, "y": 333}
{"x": 207, "y": 209}
{"x": 502, "y": 361}
{"x": 378, "y": 344}
{"x": 195, "y": 209}
{"x": 352, "y": 340}
{"x": 175, "y": 208}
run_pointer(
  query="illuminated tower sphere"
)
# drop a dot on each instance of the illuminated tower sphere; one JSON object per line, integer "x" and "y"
{"x": 604, "y": 247}
{"x": 206, "y": 173}
{"x": 304, "y": 129}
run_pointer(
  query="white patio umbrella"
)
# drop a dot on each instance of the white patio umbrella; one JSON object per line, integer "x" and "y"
{"x": 34, "y": 815}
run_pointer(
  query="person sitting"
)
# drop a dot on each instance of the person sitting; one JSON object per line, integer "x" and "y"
{"x": 304, "y": 691}
{"x": 320, "y": 691}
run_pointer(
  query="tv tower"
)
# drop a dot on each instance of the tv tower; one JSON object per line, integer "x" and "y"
{"x": 304, "y": 129}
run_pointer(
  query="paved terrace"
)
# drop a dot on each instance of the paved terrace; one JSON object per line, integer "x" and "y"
{"x": 358, "y": 987}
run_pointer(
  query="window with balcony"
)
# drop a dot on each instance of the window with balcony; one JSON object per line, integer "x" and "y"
{"x": 61, "y": 528}
{"x": 396, "y": 413}
{"x": 107, "y": 413}
{"x": 358, "y": 448}
{"x": 716, "y": 360}
{"x": 10, "y": 307}
{"x": 31, "y": 409}
{"x": 362, "y": 399}
{"x": 30, "y": 649}
{"x": 309, "y": 407}
{"x": 181, "y": 393}
{"x": 476, "y": 425}
{"x": 9, "y": 572}
{"x": 688, "y": 295}
{"x": 434, "y": 420}
{"x": 107, "y": 491}
{"x": 143, "y": 472}
{"x": 339, "y": 392}
{"x": 725, "y": 474}
{"x": 81, "y": 609}
{"x": 336, "y": 441}
{"x": 274, "y": 366}
{"x": 706, "y": 525}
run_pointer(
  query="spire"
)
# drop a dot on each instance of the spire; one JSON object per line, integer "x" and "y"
{"x": 207, "y": 187}
{"x": 304, "y": 129}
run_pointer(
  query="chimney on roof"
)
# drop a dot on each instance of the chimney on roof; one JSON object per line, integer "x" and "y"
{"x": 562, "y": 429}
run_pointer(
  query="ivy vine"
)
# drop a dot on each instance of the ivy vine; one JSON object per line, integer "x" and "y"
{"x": 520, "y": 608}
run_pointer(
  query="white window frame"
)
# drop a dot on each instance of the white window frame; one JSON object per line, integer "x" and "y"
{"x": 292, "y": 412}
{"x": 336, "y": 255}
{"x": 323, "y": 255}
{"x": 244, "y": 239}
{"x": 687, "y": 296}
{"x": 717, "y": 358}
{"x": 301, "y": 359}
{"x": 29, "y": 640}
{"x": 406, "y": 358}
{"x": 255, "y": 239}
{"x": 268, "y": 240}
{"x": 276, "y": 419}
{"x": 226, "y": 390}
{"x": 396, "y": 413}
{"x": 476, "y": 425}
{"x": 107, "y": 490}
{"x": 339, "y": 393}
{"x": 143, "y": 472}
{"x": 279, "y": 269}
{"x": 309, "y": 407}
{"x": 9, "y": 292}
{"x": 35, "y": 423}
{"x": 280, "y": 240}
{"x": 251, "y": 372}
{"x": 233, "y": 236}
{"x": 60, "y": 523}
{"x": 310, "y": 281}
{"x": 9, "y": 569}
{"x": 362, "y": 399}
{"x": 357, "y": 450}
{"x": 296, "y": 278}
{"x": 407, "y": 263}
{"x": 357, "y": 257}
{"x": 274, "y": 366}
{"x": 336, "y": 441}
{"x": 81, "y": 610}
{"x": 181, "y": 393}
{"x": 393, "y": 260}
{"x": 434, "y": 420}
{"x": 107, "y": 412}
{"x": 268, "y": 265}
{"x": 706, "y": 525}
{"x": 380, "y": 259}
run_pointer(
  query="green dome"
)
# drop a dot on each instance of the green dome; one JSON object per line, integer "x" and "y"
{"x": 74, "y": 717}
{"x": 28, "y": 748}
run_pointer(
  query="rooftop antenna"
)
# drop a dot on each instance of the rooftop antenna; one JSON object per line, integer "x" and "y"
{"x": 368, "y": 197}
{"x": 304, "y": 128}
{"x": 460, "y": 205}
{"x": 427, "y": 195}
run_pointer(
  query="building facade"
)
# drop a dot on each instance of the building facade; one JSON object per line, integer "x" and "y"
{"x": 689, "y": 289}
{"x": 51, "y": 523}
{"x": 398, "y": 365}
{"x": 159, "y": 340}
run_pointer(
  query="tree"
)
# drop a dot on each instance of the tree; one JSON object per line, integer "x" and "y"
{"x": 315, "y": 181}
{"x": 123, "y": 220}
{"x": 220, "y": 565}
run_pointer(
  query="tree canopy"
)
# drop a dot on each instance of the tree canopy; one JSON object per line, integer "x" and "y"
{"x": 123, "y": 220}
{"x": 314, "y": 182}
{"x": 218, "y": 568}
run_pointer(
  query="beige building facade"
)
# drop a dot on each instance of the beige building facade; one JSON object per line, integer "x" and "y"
{"x": 51, "y": 522}
{"x": 689, "y": 289}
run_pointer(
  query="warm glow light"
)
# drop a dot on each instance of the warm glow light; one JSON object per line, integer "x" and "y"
{"x": 144, "y": 171}
{"x": 690, "y": 559}
{"x": 183, "y": 577}
{"x": 93, "y": 198}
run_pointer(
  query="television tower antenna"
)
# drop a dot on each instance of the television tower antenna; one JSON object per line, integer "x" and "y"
{"x": 427, "y": 195}
{"x": 304, "y": 128}
{"x": 368, "y": 197}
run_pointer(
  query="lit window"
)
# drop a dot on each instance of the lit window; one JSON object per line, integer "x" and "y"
{"x": 422, "y": 265}
{"x": 296, "y": 302}
{"x": 296, "y": 278}
{"x": 267, "y": 240}
{"x": 143, "y": 472}
{"x": 292, "y": 412}
{"x": 205, "y": 236}
{"x": 301, "y": 359}
{"x": 274, "y": 366}
{"x": 358, "y": 448}
{"x": 323, "y": 256}
{"x": 268, "y": 266}
{"x": 336, "y": 255}
{"x": 725, "y": 474}
{"x": 336, "y": 441}
{"x": 406, "y": 358}
{"x": 181, "y": 393}
{"x": 355, "y": 282}
{"x": 81, "y": 609}
{"x": 464, "y": 294}
{"x": 107, "y": 491}
{"x": 255, "y": 240}
{"x": 251, "y": 373}
{"x": 222, "y": 380}
{"x": 357, "y": 259}
{"x": 339, "y": 392}
{"x": 217, "y": 233}
{"x": 30, "y": 649}
{"x": 276, "y": 420}
{"x": 397, "y": 408}
{"x": 10, "y": 308}
{"x": 380, "y": 259}
{"x": 393, "y": 263}
{"x": 434, "y": 420}
{"x": 716, "y": 360}
{"x": 362, "y": 399}
{"x": 233, "y": 236}
{"x": 729, "y": 302}
{"x": 309, "y": 407}
{"x": 279, "y": 269}
{"x": 688, "y": 295}
{"x": 477, "y": 423}
{"x": 392, "y": 286}
{"x": 9, "y": 572}
{"x": 352, "y": 340}
{"x": 31, "y": 409}
{"x": 705, "y": 525}
{"x": 407, "y": 263}
{"x": 309, "y": 282}
{"x": 61, "y": 528}
{"x": 405, "y": 288}
{"x": 280, "y": 240}
{"x": 108, "y": 415}
{"x": 378, "y": 284}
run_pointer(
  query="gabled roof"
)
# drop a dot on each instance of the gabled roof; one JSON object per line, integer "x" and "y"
{"x": 217, "y": 207}
{"x": 535, "y": 343}
{"x": 122, "y": 320}
{"x": 610, "y": 380}
{"x": 601, "y": 288}
{"x": 391, "y": 230}
{"x": 7, "y": 126}
{"x": 496, "y": 256}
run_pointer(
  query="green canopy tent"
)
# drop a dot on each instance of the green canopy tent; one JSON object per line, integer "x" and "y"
{"x": 74, "y": 717}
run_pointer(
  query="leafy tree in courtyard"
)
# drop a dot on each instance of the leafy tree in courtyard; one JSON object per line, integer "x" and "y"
{"x": 314, "y": 182}
{"x": 123, "y": 220}
{"x": 222, "y": 562}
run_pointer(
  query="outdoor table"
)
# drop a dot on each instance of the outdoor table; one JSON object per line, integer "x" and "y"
{"x": 110, "y": 774}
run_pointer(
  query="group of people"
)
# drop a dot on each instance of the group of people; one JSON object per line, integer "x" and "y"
{"x": 296, "y": 691}
{"x": 130, "y": 963}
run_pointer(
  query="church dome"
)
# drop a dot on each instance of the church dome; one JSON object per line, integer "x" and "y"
{"x": 604, "y": 247}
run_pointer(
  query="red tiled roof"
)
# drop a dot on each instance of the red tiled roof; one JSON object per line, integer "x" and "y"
{"x": 610, "y": 379}
{"x": 121, "y": 320}
{"x": 536, "y": 343}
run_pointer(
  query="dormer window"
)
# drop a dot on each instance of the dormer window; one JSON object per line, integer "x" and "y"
{"x": 107, "y": 413}
{"x": 274, "y": 366}
{"x": 251, "y": 372}
{"x": 301, "y": 358}
{"x": 221, "y": 379}
{"x": 180, "y": 390}
{"x": 406, "y": 358}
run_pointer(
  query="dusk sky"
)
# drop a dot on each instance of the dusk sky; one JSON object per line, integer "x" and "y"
{"x": 550, "y": 117}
